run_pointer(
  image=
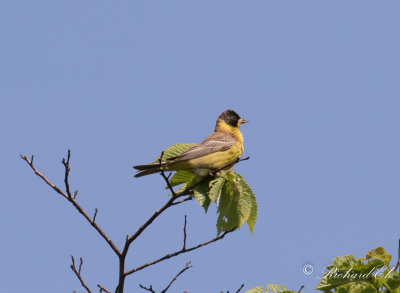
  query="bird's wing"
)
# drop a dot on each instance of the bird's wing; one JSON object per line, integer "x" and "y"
{"x": 216, "y": 142}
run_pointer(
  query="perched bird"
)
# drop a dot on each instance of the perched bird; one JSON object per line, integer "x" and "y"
{"x": 220, "y": 149}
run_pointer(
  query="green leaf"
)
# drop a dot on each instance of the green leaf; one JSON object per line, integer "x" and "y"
{"x": 180, "y": 177}
{"x": 249, "y": 195}
{"x": 379, "y": 253}
{"x": 228, "y": 217}
{"x": 350, "y": 274}
{"x": 237, "y": 203}
{"x": 175, "y": 150}
{"x": 278, "y": 289}
{"x": 186, "y": 185}
{"x": 243, "y": 200}
{"x": 393, "y": 282}
{"x": 216, "y": 187}
{"x": 259, "y": 289}
{"x": 201, "y": 194}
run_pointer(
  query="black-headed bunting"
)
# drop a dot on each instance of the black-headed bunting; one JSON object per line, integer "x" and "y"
{"x": 222, "y": 148}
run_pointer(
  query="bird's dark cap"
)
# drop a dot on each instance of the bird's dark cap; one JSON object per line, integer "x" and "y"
{"x": 230, "y": 117}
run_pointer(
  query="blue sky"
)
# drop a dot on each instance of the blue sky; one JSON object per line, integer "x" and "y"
{"x": 117, "y": 82}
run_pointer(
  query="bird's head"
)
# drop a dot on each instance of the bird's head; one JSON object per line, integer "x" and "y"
{"x": 231, "y": 118}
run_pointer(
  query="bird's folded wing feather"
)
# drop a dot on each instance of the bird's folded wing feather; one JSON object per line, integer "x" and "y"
{"x": 216, "y": 142}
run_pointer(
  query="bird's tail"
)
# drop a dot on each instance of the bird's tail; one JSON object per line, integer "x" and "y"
{"x": 148, "y": 169}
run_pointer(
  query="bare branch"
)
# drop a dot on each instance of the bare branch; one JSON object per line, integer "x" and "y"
{"x": 129, "y": 239}
{"x": 30, "y": 163}
{"x": 103, "y": 289}
{"x": 184, "y": 234}
{"x": 80, "y": 265}
{"x": 94, "y": 216}
{"x": 241, "y": 287}
{"x": 150, "y": 289}
{"x": 71, "y": 198}
{"x": 177, "y": 253}
{"x": 166, "y": 178}
{"x": 67, "y": 169}
{"x": 398, "y": 258}
{"x": 182, "y": 200}
{"x": 78, "y": 273}
{"x": 301, "y": 288}
{"x": 187, "y": 266}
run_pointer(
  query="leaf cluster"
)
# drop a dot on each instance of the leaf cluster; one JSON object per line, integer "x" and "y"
{"x": 270, "y": 288}
{"x": 369, "y": 274}
{"x": 348, "y": 274}
{"x": 235, "y": 200}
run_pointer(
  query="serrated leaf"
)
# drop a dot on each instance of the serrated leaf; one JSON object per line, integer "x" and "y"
{"x": 180, "y": 177}
{"x": 201, "y": 194}
{"x": 248, "y": 193}
{"x": 259, "y": 289}
{"x": 186, "y": 185}
{"x": 228, "y": 217}
{"x": 243, "y": 201}
{"x": 328, "y": 284}
{"x": 379, "y": 253}
{"x": 350, "y": 274}
{"x": 236, "y": 204}
{"x": 175, "y": 150}
{"x": 278, "y": 289}
{"x": 216, "y": 187}
{"x": 393, "y": 282}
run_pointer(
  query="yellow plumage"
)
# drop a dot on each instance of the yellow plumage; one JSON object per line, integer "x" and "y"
{"x": 223, "y": 147}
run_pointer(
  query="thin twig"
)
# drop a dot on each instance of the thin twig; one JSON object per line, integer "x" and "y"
{"x": 398, "y": 258}
{"x": 241, "y": 287}
{"x": 130, "y": 239}
{"x": 80, "y": 265}
{"x": 30, "y": 163}
{"x": 187, "y": 266}
{"x": 301, "y": 288}
{"x": 94, "y": 216}
{"x": 103, "y": 289}
{"x": 184, "y": 234}
{"x": 166, "y": 178}
{"x": 67, "y": 170}
{"x": 182, "y": 200}
{"x": 71, "y": 198}
{"x": 177, "y": 253}
{"x": 78, "y": 273}
{"x": 150, "y": 289}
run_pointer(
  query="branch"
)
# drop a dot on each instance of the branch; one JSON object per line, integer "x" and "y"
{"x": 177, "y": 253}
{"x": 78, "y": 273}
{"x": 67, "y": 169}
{"x": 241, "y": 287}
{"x": 301, "y": 288}
{"x": 71, "y": 198}
{"x": 184, "y": 234}
{"x": 187, "y": 266}
{"x": 103, "y": 289}
{"x": 398, "y": 258}
{"x": 130, "y": 239}
{"x": 150, "y": 289}
{"x": 182, "y": 200}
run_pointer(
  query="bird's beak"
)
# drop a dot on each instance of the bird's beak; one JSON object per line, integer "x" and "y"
{"x": 242, "y": 121}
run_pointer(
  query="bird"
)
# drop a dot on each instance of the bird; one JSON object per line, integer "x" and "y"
{"x": 220, "y": 149}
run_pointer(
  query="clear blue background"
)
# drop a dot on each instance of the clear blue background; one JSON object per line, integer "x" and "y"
{"x": 118, "y": 81}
